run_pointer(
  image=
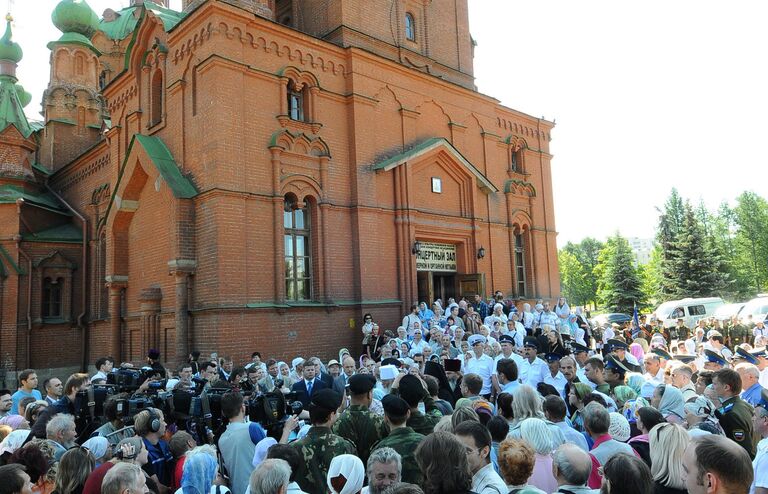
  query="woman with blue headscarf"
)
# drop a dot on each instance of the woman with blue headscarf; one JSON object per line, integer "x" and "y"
{"x": 200, "y": 473}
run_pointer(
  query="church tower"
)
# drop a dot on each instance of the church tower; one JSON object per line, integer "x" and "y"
{"x": 17, "y": 145}
{"x": 428, "y": 35}
{"x": 73, "y": 106}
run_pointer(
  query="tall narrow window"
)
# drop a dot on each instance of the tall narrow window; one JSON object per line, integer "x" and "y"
{"x": 156, "y": 98}
{"x": 520, "y": 264}
{"x": 513, "y": 163}
{"x": 295, "y": 103}
{"x": 410, "y": 27}
{"x": 51, "y": 308}
{"x": 298, "y": 260}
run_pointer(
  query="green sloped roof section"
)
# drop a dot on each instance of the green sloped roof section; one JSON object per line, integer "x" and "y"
{"x": 427, "y": 146}
{"x": 126, "y": 21}
{"x": 4, "y": 254}
{"x": 11, "y": 109}
{"x": 161, "y": 157}
{"x": 11, "y": 193}
{"x": 63, "y": 233}
{"x": 74, "y": 39}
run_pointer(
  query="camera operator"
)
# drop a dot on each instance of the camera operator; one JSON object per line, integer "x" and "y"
{"x": 150, "y": 426}
{"x": 209, "y": 373}
{"x": 238, "y": 442}
{"x": 254, "y": 384}
{"x": 114, "y": 422}
{"x": 184, "y": 379}
{"x": 74, "y": 384}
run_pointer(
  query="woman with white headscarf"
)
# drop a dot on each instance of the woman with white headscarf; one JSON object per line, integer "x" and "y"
{"x": 201, "y": 470}
{"x": 346, "y": 475}
{"x": 12, "y": 442}
{"x": 99, "y": 448}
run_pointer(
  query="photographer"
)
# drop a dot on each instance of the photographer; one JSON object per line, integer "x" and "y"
{"x": 150, "y": 426}
{"x": 114, "y": 422}
{"x": 238, "y": 442}
{"x": 75, "y": 383}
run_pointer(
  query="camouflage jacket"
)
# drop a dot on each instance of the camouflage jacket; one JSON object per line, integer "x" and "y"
{"x": 318, "y": 448}
{"x": 424, "y": 423}
{"x": 362, "y": 427}
{"x": 404, "y": 440}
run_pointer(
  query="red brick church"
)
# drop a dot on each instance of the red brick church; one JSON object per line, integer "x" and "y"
{"x": 256, "y": 175}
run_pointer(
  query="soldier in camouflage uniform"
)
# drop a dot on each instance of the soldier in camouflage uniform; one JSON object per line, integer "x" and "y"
{"x": 320, "y": 445}
{"x": 357, "y": 423}
{"x": 738, "y": 332}
{"x": 414, "y": 390}
{"x": 401, "y": 438}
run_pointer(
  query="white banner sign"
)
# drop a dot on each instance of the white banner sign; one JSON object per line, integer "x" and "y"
{"x": 436, "y": 257}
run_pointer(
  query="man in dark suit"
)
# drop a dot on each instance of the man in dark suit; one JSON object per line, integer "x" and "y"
{"x": 309, "y": 384}
{"x": 347, "y": 371}
{"x": 319, "y": 374}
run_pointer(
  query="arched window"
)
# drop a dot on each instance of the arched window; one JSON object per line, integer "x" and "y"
{"x": 410, "y": 27}
{"x": 51, "y": 308}
{"x": 520, "y": 264}
{"x": 298, "y": 258}
{"x": 102, "y": 79}
{"x": 79, "y": 64}
{"x": 296, "y": 103}
{"x": 156, "y": 98}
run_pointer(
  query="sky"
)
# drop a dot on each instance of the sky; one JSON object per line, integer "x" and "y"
{"x": 646, "y": 96}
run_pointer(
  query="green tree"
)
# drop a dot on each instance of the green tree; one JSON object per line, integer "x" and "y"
{"x": 751, "y": 218}
{"x": 697, "y": 264}
{"x": 671, "y": 219}
{"x": 651, "y": 277}
{"x": 574, "y": 279}
{"x": 586, "y": 252}
{"x": 619, "y": 284}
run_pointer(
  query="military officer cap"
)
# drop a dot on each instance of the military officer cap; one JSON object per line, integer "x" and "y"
{"x": 616, "y": 344}
{"x": 686, "y": 359}
{"x": 578, "y": 348}
{"x": 552, "y": 357}
{"x": 475, "y": 339}
{"x": 360, "y": 384}
{"x": 327, "y": 399}
{"x": 505, "y": 338}
{"x": 615, "y": 365}
{"x": 745, "y": 355}
{"x": 531, "y": 342}
{"x": 714, "y": 357}
{"x": 712, "y": 333}
{"x": 662, "y": 353}
{"x": 759, "y": 352}
{"x": 394, "y": 406}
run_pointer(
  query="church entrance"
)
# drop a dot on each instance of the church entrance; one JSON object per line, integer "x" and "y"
{"x": 437, "y": 275}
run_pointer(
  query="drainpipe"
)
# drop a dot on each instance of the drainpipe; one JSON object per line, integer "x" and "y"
{"x": 84, "y": 285}
{"x": 28, "y": 336}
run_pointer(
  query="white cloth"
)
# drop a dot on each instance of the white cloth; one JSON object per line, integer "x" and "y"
{"x": 13, "y": 441}
{"x": 260, "y": 454}
{"x": 418, "y": 347}
{"x": 760, "y": 466}
{"x": 578, "y": 336}
{"x": 97, "y": 446}
{"x": 218, "y": 489}
{"x": 559, "y": 382}
{"x": 532, "y": 373}
{"x": 487, "y": 481}
{"x": 484, "y": 367}
{"x": 351, "y": 467}
{"x": 764, "y": 378}
{"x": 411, "y": 322}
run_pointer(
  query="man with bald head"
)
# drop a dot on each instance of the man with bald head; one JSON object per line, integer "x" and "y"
{"x": 752, "y": 392}
{"x": 571, "y": 467}
{"x": 714, "y": 464}
{"x": 347, "y": 371}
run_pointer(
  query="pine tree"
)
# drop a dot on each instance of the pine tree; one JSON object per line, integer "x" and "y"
{"x": 697, "y": 265}
{"x": 620, "y": 286}
{"x": 670, "y": 223}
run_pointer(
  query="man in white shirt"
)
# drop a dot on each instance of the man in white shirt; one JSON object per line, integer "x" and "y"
{"x": 477, "y": 362}
{"x": 760, "y": 330}
{"x": 554, "y": 377}
{"x": 103, "y": 367}
{"x": 534, "y": 370}
{"x": 516, "y": 330}
{"x": 477, "y": 440}
{"x": 418, "y": 344}
{"x": 412, "y": 321}
{"x": 654, "y": 372}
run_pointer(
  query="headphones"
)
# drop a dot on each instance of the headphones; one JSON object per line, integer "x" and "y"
{"x": 154, "y": 420}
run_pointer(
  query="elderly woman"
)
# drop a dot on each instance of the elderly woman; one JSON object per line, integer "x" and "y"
{"x": 346, "y": 475}
{"x": 668, "y": 400}
{"x": 527, "y": 404}
{"x": 516, "y": 462}
{"x": 536, "y": 433}
{"x": 99, "y": 448}
{"x": 498, "y": 314}
{"x": 201, "y": 472}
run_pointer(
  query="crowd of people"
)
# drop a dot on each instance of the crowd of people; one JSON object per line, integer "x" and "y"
{"x": 480, "y": 397}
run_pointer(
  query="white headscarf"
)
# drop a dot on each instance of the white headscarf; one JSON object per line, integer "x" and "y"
{"x": 351, "y": 467}
{"x": 14, "y": 441}
{"x": 260, "y": 453}
{"x": 97, "y": 446}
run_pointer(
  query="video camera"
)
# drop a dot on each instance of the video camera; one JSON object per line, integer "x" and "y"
{"x": 271, "y": 410}
{"x": 129, "y": 379}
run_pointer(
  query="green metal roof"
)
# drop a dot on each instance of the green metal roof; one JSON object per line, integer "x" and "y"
{"x": 161, "y": 157}
{"x": 9, "y": 49}
{"x": 11, "y": 109}
{"x": 428, "y": 145}
{"x": 11, "y": 193}
{"x": 74, "y": 39}
{"x": 126, "y": 21}
{"x": 42, "y": 169}
{"x": 75, "y": 16}
{"x": 64, "y": 233}
{"x": 5, "y": 255}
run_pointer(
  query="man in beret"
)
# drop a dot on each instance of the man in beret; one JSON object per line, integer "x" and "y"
{"x": 357, "y": 423}
{"x": 401, "y": 438}
{"x": 413, "y": 390}
{"x": 320, "y": 445}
